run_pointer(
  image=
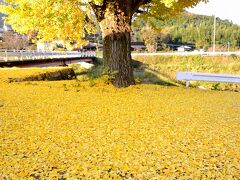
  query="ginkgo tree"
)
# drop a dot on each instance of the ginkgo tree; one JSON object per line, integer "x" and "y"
{"x": 70, "y": 20}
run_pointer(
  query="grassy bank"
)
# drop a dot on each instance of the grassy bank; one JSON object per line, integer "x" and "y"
{"x": 35, "y": 74}
{"x": 167, "y": 66}
{"x": 71, "y": 130}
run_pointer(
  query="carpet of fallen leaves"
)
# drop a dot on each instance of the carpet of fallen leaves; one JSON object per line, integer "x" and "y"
{"x": 69, "y": 130}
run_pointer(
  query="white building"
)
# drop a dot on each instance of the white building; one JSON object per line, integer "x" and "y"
{"x": 44, "y": 46}
{"x": 184, "y": 48}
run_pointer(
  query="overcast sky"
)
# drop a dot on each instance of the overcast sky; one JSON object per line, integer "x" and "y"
{"x": 224, "y": 9}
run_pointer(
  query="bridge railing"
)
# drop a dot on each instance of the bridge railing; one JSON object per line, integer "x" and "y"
{"x": 23, "y": 55}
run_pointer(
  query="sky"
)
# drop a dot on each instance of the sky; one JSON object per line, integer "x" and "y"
{"x": 224, "y": 9}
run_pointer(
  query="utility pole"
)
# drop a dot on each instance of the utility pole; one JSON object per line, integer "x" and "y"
{"x": 214, "y": 34}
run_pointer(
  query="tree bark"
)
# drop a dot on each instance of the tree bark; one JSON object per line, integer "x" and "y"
{"x": 117, "y": 58}
{"x": 116, "y": 28}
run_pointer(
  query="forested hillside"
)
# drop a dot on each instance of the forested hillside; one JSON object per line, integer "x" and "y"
{"x": 188, "y": 28}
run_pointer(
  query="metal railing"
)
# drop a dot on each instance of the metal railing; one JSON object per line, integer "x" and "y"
{"x": 23, "y": 55}
{"x": 193, "y": 76}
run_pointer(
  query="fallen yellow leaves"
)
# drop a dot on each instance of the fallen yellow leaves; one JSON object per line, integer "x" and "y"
{"x": 57, "y": 130}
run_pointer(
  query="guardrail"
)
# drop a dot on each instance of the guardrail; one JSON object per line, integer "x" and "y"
{"x": 23, "y": 55}
{"x": 186, "y": 53}
{"x": 193, "y": 76}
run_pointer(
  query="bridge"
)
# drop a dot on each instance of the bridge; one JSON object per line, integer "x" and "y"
{"x": 31, "y": 57}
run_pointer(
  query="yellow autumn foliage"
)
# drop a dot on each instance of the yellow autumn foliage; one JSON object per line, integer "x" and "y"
{"x": 71, "y": 20}
{"x": 67, "y": 129}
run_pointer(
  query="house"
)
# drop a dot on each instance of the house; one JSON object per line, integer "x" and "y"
{"x": 50, "y": 46}
{"x": 138, "y": 46}
{"x": 44, "y": 46}
{"x": 184, "y": 48}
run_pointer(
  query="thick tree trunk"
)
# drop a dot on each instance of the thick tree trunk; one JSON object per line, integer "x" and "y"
{"x": 116, "y": 27}
{"x": 117, "y": 58}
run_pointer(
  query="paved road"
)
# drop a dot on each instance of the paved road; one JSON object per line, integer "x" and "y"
{"x": 185, "y": 53}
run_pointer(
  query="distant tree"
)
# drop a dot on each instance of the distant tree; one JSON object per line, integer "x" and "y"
{"x": 71, "y": 19}
{"x": 12, "y": 41}
{"x": 150, "y": 36}
{"x": 165, "y": 36}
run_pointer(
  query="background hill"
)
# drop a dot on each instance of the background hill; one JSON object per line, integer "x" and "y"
{"x": 188, "y": 28}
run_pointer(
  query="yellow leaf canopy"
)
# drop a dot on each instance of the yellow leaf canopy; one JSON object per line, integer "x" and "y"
{"x": 70, "y": 20}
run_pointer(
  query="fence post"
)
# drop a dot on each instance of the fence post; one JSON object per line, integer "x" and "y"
{"x": 6, "y": 56}
{"x": 21, "y": 55}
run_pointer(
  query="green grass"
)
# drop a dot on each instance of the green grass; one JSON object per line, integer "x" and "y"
{"x": 35, "y": 74}
{"x": 168, "y": 66}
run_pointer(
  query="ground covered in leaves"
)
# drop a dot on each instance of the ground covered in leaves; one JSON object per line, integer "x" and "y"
{"x": 71, "y": 129}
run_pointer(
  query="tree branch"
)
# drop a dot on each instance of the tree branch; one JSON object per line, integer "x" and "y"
{"x": 137, "y": 3}
{"x": 99, "y": 9}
